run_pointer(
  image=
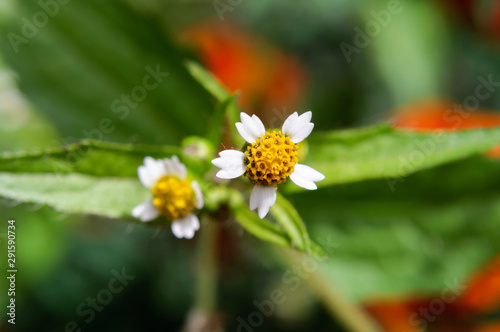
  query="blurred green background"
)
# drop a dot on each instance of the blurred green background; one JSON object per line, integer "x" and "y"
{"x": 62, "y": 73}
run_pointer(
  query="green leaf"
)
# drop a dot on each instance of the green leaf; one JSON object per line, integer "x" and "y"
{"x": 214, "y": 133}
{"x": 424, "y": 47}
{"x": 289, "y": 219}
{"x": 440, "y": 224}
{"x": 75, "y": 193}
{"x": 261, "y": 228}
{"x": 216, "y": 197}
{"x": 220, "y": 93}
{"x": 120, "y": 76}
{"x": 87, "y": 157}
{"x": 290, "y": 231}
{"x": 115, "y": 197}
{"x": 20, "y": 125}
{"x": 381, "y": 152}
{"x": 207, "y": 80}
{"x": 403, "y": 248}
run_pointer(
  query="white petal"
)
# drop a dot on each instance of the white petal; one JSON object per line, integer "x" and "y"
{"x": 146, "y": 179}
{"x": 186, "y": 227}
{"x": 302, "y": 133}
{"x": 253, "y": 123}
{"x": 175, "y": 167}
{"x": 261, "y": 129}
{"x": 289, "y": 123}
{"x": 250, "y": 128}
{"x": 262, "y": 198}
{"x": 180, "y": 167}
{"x": 305, "y": 176}
{"x": 189, "y": 233}
{"x": 298, "y": 127}
{"x": 198, "y": 194}
{"x": 145, "y": 211}
{"x": 195, "y": 222}
{"x": 169, "y": 167}
{"x": 306, "y": 117}
{"x": 230, "y": 174}
{"x": 178, "y": 229}
{"x": 229, "y": 153}
{"x": 155, "y": 168}
{"x": 149, "y": 162}
{"x": 247, "y": 136}
{"x": 231, "y": 163}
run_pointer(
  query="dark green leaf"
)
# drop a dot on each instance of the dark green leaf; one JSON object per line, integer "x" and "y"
{"x": 438, "y": 225}
{"x": 208, "y": 81}
{"x": 82, "y": 84}
{"x": 382, "y": 152}
{"x": 88, "y": 157}
{"x": 220, "y": 93}
{"x": 216, "y": 125}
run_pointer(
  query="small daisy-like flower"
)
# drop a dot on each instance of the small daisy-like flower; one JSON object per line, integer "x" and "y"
{"x": 269, "y": 158}
{"x": 174, "y": 196}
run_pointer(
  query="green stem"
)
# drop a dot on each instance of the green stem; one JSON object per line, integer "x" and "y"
{"x": 350, "y": 315}
{"x": 206, "y": 300}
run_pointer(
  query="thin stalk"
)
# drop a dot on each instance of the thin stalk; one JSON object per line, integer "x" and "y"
{"x": 350, "y": 315}
{"x": 206, "y": 300}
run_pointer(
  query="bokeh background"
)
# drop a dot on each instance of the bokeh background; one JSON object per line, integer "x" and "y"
{"x": 353, "y": 63}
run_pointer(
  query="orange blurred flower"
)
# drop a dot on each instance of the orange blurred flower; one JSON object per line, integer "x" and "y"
{"x": 495, "y": 20}
{"x": 444, "y": 115}
{"x": 494, "y": 327}
{"x": 483, "y": 293}
{"x": 482, "y": 296}
{"x": 267, "y": 77}
{"x": 393, "y": 315}
{"x": 481, "y": 16}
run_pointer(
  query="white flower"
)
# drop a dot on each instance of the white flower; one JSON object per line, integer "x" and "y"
{"x": 173, "y": 195}
{"x": 269, "y": 159}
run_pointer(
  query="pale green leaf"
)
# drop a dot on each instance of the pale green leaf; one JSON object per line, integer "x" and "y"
{"x": 289, "y": 219}
{"x": 261, "y": 228}
{"x": 290, "y": 231}
{"x": 75, "y": 193}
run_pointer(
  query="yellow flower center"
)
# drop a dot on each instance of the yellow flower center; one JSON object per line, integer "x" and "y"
{"x": 271, "y": 158}
{"x": 173, "y": 197}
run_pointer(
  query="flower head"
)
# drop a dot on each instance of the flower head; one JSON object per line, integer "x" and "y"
{"x": 270, "y": 158}
{"x": 174, "y": 196}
